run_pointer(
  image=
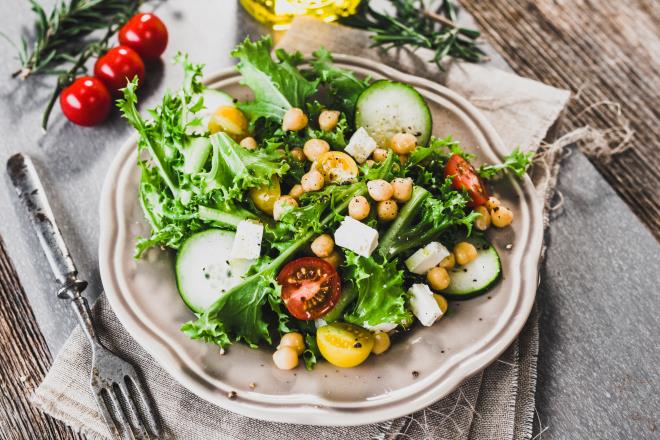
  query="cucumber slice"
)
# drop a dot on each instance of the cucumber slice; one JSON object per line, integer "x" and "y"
{"x": 387, "y": 107}
{"x": 477, "y": 277}
{"x": 204, "y": 269}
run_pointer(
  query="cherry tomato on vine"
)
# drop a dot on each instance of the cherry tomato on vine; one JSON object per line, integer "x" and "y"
{"x": 146, "y": 34}
{"x": 465, "y": 178}
{"x": 310, "y": 287}
{"x": 86, "y": 101}
{"x": 118, "y": 66}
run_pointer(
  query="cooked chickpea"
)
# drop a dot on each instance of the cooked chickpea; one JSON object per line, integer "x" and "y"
{"x": 312, "y": 181}
{"x": 298, "y": 154}
{"x": 294, "y": 120}
{"x": 403, "y": 143}
{"x": 314, "y": 148}
{"x": 249, "y": 143}
{"x": 359, "y": 207}
{"x": 380, "y": 190}
{"x": 464, "y": 253}
{"x": 282, "y": 206}
{"x": 328, "y": 119}
{"x": 438, "y": 278}
{"x": 483, "y": 221}
{"x": 323, "y": 245}
{"x": 387, "y": 210}
{"x": 492, "y": 203}
{"x": 285, "y": 358}
{"x": 501, "y": 216}
{"x": 293, "y": 340}
{"x": 442, "y": 303}
{"x": 380, "y": 154}
{"x": 296, "y": 191}
{"x": 403, "y": 158}
{"x": 448, "y": 262}
{"x": 403, "y": 188}
{"x": 335, "y": 259}
{"x": 381, "y": 343}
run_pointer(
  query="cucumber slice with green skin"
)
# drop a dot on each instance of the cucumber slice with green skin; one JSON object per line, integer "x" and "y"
{"x": 388, "y": 107}
{"x": 204, "y": 269}
{"x": 476, "y": 277}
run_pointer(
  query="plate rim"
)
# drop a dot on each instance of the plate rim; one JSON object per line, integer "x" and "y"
{"x": 311, "y": 414}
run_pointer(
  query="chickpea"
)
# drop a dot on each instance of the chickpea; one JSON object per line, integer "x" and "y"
{"x": 282, "y": 206}
{"x": 380, "y": 190}
{"x": 483, "y": 221}
{"x": 312, "y": 181}
{"x": 380, "y": 154}
{"x": 438, "y": 278}
{"x": 294, "y": 120}
{"x": 492, "y": 203}
{"x": 403, "y": 188}
{"x": 464, "y": 253}
{"x": 323, "y": 245}
{"x": 296, "y": 191}
{"x": 403, "y": 158}
{"x": 359, "y": 207}
{"x": 381, "y": 343}
{"x": 297, "y": 154}
{"x": 335, "y": 259}
{"x": 293, "y": 340}
{"x": 403, "y": 143}
{"x": 442, "y": 303}
{"x": 249, "y": 143}
{"x": 448, "y": 262}
{"x": 387, "y": 210}
{"x": 501, "y": 216}
{"x": 328, "y": 119}
{"x": 285, "y": 358}
{"x": 314, "y": 148}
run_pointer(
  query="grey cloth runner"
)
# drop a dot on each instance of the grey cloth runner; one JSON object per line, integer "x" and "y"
{"x": 497, "y": 403}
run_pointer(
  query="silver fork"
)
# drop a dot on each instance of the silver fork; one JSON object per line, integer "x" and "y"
{"x": 122, "y": 399}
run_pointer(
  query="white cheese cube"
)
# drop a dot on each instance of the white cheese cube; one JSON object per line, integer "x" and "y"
{"x": 247, "y": 242}
{"x": 356, "y": 236}
{"x": 426, "y": 258}
{"x": 423, "y": 305}
{"x": 361, "y": 145}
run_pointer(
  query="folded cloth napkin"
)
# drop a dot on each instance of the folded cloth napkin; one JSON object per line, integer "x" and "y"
{"x": 497, "y": 403}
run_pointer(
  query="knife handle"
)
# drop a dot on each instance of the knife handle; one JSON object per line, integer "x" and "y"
{"x": 31, "y": 192}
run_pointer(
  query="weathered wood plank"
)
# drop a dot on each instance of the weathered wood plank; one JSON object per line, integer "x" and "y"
{"x": 604, "y": 51}
{"x": 25, "y": 360}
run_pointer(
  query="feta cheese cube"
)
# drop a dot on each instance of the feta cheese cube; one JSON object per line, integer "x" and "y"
{"x": 356, "y": 236}
{"x": 426, "y": 258}
{"x": 361, "y": 145}
{"x": 423, "y": 305}
{"x": 247, "y": 242}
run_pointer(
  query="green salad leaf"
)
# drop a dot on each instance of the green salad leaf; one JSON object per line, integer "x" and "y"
{"x": 516, "y": 162}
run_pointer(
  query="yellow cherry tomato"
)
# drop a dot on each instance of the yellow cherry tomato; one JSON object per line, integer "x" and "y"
{"x": 344, "y": 345}
{"x": 264, "y": 197}
{"x": 336, "y": 167}
{"x": 229, "y": 120}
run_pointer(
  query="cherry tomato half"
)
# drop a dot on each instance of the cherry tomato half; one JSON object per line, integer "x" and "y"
{"x": 146, "y": 34}
{"x": 466, "y": 178}
{"x": 86, "y": 102}
{"x": 344, "y": 345}
{"x": 337, "y": 167}
{"x": 310, "y": 287}
{"x": 118, "y": 66}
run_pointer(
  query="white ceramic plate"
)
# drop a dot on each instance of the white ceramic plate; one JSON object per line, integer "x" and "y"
{"x": 144, "y": 297}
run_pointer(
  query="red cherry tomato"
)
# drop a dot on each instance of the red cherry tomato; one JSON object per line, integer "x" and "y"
{"x": 118, "y": 66}
{"x": 86, "y": 102}
{"x": 146, "y": 34}
{"x": 466, "y": 178}
{"x": 310, "y": 287}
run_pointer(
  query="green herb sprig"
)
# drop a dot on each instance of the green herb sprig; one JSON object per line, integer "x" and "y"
{"x": 414, "y": 26}
{"x": 517, "y": 162}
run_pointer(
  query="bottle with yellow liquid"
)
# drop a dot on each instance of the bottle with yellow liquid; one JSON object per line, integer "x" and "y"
{"x": 279, "y": 13}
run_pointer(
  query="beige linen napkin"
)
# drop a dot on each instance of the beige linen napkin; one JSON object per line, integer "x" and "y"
{"x": 495, "y": 404}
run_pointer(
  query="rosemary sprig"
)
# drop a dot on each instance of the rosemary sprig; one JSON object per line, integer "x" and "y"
{"x": 415, "y": 26}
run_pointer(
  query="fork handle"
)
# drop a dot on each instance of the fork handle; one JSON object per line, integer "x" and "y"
{"x": 84, "y": 314}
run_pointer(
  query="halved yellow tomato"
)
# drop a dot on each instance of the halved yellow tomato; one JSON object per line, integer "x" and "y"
{"x": 264, "y": 197}
{"x": 337, "y": 167}
{"x": 344, "y": 345}
{"x": 230, "y": 120}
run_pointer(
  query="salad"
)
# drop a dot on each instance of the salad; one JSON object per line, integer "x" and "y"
{"x": 317, "y": 218}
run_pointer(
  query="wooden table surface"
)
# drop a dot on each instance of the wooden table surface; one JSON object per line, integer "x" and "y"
{"x": 605, "y": 51}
